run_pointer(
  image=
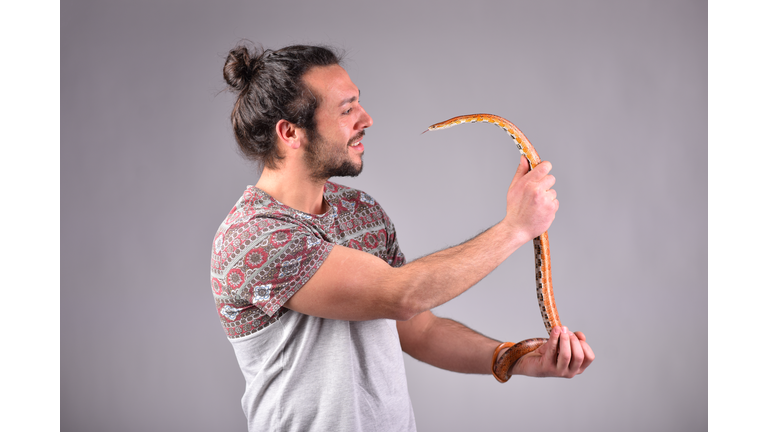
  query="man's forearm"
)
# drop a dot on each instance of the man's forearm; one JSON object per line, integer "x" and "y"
{"x": 436, "y": 278}
{"x": 354, "y": 285}
{"x": 447, "y": 344}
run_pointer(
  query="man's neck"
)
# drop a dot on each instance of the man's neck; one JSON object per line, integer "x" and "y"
{"x": 294, "y": 189}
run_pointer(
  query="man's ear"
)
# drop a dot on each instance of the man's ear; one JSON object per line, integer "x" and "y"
{"x": 290, "y": 134}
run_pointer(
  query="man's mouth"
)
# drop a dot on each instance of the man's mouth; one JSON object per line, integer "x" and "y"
{"x": 354, "y": 142}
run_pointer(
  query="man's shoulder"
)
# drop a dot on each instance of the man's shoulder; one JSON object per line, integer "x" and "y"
{"x": 332, "y": 188}
{"x": 335, "y": 191}
{"x": 255, "y": 215}
{"x": 256, "y": 204}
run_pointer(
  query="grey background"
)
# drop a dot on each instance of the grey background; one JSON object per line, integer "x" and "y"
{"x": 613, "y": 93}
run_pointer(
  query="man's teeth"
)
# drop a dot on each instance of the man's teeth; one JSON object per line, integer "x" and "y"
{"x": 356, "y": 144}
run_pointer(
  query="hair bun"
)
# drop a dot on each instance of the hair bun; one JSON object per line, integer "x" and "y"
{"x": 240, "y": 67}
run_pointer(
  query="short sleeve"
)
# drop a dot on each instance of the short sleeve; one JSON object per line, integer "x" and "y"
{"x": 278, "y": 260}
{"x": 394, "y": 255}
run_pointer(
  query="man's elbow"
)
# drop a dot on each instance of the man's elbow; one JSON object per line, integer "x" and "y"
{"x": 402, "y": 295}
{"x": 405, "y": 312}
{"x": 408, "y": 304}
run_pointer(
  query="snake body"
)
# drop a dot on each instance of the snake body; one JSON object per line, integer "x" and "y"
{"x": 544, "y": 291}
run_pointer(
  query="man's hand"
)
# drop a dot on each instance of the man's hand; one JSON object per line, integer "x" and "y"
{"x": 565, "y": 355}
{"x": 531, "y": 204}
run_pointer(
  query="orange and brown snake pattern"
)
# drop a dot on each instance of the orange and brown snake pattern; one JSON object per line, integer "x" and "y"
{"x": 503, "y": 365}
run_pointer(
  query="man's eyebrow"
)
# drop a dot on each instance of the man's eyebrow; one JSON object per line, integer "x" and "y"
{"x": 350, "y": 99}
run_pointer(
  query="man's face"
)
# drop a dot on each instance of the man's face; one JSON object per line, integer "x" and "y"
{"x": 335, "y": 147}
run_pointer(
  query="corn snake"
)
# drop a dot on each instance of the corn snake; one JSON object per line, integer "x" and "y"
{"x": 502, "y": 366}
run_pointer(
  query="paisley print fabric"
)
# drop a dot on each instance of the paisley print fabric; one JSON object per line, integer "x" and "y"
{"x": 265, "y": 251}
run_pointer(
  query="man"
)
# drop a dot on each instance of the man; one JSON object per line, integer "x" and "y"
{"x": 308, "y": 277}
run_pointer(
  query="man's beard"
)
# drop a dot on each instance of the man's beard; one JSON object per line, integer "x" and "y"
{"x": 326, "y": 160}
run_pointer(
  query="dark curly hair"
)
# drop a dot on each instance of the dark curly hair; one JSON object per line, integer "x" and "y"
{"x": 271, "y": 88}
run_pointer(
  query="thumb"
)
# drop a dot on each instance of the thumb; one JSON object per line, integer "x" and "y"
{"x": 522, "y": 169}
{"x": 552, "y": 345}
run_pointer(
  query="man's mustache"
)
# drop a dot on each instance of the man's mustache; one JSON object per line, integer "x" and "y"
{"x": 356, "y": 138}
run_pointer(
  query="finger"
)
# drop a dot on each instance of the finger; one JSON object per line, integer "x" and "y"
{"x": 589, "y": 356}
{"x": 577, "y": 354}
{"x": 547, "y": 182}
{"x": 564, "y": 358}
{"x": 550, "y": 355}
{"x": 522, "y": 168}
{"x": 541, "y": 170}
{"x": 552, "y": 194}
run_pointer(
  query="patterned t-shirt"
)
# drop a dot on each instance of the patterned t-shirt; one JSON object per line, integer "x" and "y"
{"x": 304, "y": 372}
{"x": 265, "y": 251}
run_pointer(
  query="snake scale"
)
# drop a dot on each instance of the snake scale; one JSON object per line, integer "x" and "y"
{"x": 544, "y": 291}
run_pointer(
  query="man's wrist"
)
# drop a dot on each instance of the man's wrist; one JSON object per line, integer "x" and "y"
{"x": 497, "y": 363}
{"x": 513, "y": 236}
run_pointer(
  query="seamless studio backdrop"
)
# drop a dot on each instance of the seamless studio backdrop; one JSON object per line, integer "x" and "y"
{"x": 150, "y": 169}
